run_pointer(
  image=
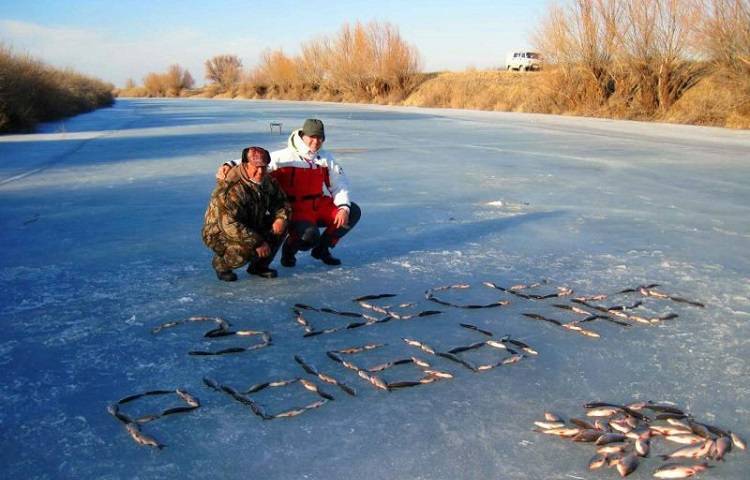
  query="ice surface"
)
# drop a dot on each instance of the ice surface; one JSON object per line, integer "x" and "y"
{"x": 101, "y": 218}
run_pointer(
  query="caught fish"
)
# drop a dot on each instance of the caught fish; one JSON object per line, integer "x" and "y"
{"x": 551, "y": 417}
{"x": 405, "y": 384}
{"x": 211, "y": 383}
{"x": 737, "y": 441}
{"x": 587, "y": 436}
{"x": 512, "y": 359}
{"x": 523, "y": 346}
{"x": 560, "y": 432}
{"x": 722, "y": 446}
{"x": 669, "y": 430}
{"x": 289, "y": 413}
{"x": 547, "y": 425}
{"x": 691, "y": 451}
{"x": 420, "y": 345}
{"x": 171, "y": 411}
{"x": 141, "y": 438}
{"x": 685, "y": 438}
{"x": 438, "y": 374}
{"x": 583, "y": 424}
{"x": 627, "y": 464}
{"x": 643, "y": 447}
{"x": 334, "y": 356}
{"x": 146, "y": 419}
{"x": 496, "y": 344}
{"x": 113, "y": 410}
{"x": 419, "y": 362}
{"x": 610, "y": 438}
{"x": 598, "y": 461}
{"x": 603, "y": 411}
{"x": 613, "y": 447}
{"x": 677, "y": 422}
{"x": 188, "y": 398}
{"x": 674, "y": 470}
{"x": 373, "y": 379}
{"x": 465, "y": 348}
{"x": 477, "y": 329}
{"x": 374, "y": 297}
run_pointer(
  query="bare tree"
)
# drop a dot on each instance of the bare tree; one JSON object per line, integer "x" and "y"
{"x": 224, "y": 70}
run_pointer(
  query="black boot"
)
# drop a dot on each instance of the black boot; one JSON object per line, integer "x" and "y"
{"x": 324, "y": 255}
{"x": 226, "y": 275}
{"x": 262, "y": 271}
{"x": 287, "y": 255}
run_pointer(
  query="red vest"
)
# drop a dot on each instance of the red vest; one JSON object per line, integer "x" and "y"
{"x": 301, "y": 183}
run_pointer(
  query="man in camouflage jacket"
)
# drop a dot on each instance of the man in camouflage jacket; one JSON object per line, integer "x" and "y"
{"x": 246, "y": 218}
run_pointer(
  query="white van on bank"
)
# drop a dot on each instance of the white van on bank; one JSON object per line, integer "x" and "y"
{"x": 523, "y": 61}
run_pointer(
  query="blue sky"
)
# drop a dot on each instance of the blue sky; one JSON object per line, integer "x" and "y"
{"x": 116, "y": 40}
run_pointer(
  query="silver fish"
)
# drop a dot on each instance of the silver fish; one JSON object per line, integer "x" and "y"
{"x": 610, "y": 438}
{"x": 551, "y": 417}
{"x": 668, "y": 430}
{"x": 685, "y": 438}
{"x": 587, "y": 436}
{"x": 438, "y": 373}
{"x": 188, "y": 398}
{"x": 512, "y": 359}
{"x": 141, "y": 438}
{"x": 737, "y": 441}
{"x": 722, "y": 446}
{"x": 691, "y": 451}
{"x": 560, "y": 432}
{"x": 547, "y": 425}
{"x": 627, "y": 464}
{"x": 673, "y": 470}
{"x": 643, "y": 447}
{"x": 583, "y": 424}
{"x": 613, "y": 447}
{"x": 598, "y": 461}
{"x": 603, "y": 411}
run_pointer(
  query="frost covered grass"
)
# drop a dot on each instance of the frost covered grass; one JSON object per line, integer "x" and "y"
{"x": 32, "y": 92}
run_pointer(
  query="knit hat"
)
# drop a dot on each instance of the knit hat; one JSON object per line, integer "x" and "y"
{"x": 256, "y": 156}
{"x": 313, "y": 128}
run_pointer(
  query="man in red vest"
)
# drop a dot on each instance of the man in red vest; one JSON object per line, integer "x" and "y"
{"x": 306, "y": 173}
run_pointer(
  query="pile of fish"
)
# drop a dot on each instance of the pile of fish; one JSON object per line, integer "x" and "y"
{"x": 257, "y": 409}
{"x": 133, "y": 425}
{"x": 221, "y": 331}
{"x": 624, "y": 435}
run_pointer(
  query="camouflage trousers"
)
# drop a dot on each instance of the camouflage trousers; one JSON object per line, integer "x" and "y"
{"x": 229, "y": 254}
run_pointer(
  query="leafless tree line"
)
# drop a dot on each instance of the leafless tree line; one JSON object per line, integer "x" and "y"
{"x": 642, "y": 54}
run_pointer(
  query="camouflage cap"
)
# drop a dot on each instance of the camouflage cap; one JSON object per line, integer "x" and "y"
{"x": 256, "y": 156}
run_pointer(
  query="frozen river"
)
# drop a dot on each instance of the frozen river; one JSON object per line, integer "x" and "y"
{"x": 101, "y": 218}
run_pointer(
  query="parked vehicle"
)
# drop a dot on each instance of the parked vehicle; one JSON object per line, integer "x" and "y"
{"x": 523, "y": 61}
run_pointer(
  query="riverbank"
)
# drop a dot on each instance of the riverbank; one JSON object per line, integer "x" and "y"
{"x": 713, "y": 101}
{"x": 32, "y": 91}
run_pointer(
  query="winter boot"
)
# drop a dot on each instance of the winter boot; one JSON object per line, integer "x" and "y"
{"x": 287, "y": 255}
{"x": 262, "y": 271}
{"x": 226, "y": 275}
{"x": 322, "y": 253}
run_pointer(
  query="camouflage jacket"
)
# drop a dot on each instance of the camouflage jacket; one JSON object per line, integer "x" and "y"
{"x": 240, "y": 209}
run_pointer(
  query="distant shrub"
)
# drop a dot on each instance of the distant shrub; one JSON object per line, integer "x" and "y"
{"x": 32, "y": 92}
{"x": 173, "y": 83}
{"x": 225, "y": 71}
